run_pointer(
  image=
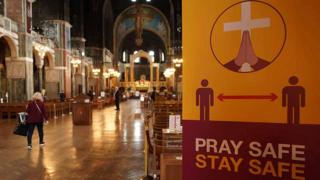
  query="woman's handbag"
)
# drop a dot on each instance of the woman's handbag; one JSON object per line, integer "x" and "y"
{"x": 22, "y": 117}
{"x": 21, "y": 128}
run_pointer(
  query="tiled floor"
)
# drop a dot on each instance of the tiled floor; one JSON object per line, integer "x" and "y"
{"x": 111, "y": 149}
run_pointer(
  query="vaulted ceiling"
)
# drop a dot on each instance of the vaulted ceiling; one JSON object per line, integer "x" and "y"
{"x": 100, "y": 15}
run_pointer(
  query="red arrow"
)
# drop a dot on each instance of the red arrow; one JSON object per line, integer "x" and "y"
{"x": 271, "y": 97}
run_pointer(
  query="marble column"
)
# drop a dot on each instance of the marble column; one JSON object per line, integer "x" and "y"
{"x": 83, "y": 79}
{"x": 126, "y": 76}
{"x": 132, "y": 72}
{"x": 151, "y": 74}
{"x": 0, "y": 81}
{"x": 102, "y": 80}
{"x": 40, "y": 77}
{"x": 157, "y": 74}
{"x": 73, "y": 81}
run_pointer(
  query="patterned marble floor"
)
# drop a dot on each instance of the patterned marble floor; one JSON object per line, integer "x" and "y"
{"x": 111, "y": 149}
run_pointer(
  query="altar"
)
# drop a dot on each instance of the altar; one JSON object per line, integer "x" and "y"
{"x": 142, "y": 84}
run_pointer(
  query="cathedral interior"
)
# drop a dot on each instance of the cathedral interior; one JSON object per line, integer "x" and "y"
{"x": 74, "y": 46}
{"x": 74, "y": 51}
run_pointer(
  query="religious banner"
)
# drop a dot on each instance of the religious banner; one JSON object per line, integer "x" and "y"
{"x": 251, "y": 103}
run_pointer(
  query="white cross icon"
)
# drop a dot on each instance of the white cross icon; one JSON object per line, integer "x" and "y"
{"x": 246, "y": 23}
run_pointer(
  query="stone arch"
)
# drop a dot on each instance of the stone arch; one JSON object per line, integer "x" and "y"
{"x": 40, "y": 60}
{"x": 5, "y": 55}
{"x": 143, "y": 54}
{"x": 36, "y": 55}
{"x": 151, "y": 30}
{"x": 12, "y": 46}
{"x": 50, "y": 59}
{"x": 117, "y": 41}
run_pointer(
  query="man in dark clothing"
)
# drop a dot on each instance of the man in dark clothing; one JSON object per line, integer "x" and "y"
{"x": 117, "y": 98}
{"x": 153, "y": 94}
{"x": 62, "y": 96}
{"x": 90, "y": 94}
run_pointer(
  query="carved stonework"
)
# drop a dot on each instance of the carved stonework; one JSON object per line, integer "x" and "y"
{"x": 51, "y": 75}
{"x": 16, "y": 70}
{"x": 49, "y": 30}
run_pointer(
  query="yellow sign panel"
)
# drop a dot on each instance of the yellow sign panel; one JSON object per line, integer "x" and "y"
{"x": 259, "y": 58}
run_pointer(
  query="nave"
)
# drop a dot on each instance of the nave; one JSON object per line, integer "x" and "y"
{"x": 112, "y": 148}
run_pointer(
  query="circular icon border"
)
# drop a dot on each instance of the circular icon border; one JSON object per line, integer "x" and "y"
{"x": 228, "y": 8}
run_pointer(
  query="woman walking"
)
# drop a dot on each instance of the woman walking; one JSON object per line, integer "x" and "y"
{"x": 36, "y": 116}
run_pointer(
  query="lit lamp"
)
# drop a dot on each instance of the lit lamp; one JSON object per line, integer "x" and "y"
{"x": 75, "y": 62}
{"x": 116, "y": 74}
{"x": 178, "y": 62}
{"x": 96, "y": 71}
{"x": 169, "y": 72}
{"x": 111, "y": 71}
{"x": 106, "y": 75}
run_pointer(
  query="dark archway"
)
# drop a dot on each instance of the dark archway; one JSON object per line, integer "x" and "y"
{"x": 152, "y": 43}
{"x": 4, "y": 53}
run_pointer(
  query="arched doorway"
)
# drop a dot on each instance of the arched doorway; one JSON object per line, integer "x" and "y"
{"x": 152, "y": 54}
{"x": 5, "y": 52}
{"x": 142, "y": 83}
{"x": 142, "y": 69}
{"x": 47, "y": 64}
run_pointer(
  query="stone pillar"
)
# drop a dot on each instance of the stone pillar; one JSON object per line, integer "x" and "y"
{"x": 126, "y": 74}
{"x": 132, "y": 72}
{"x": 151, "y": 74}
{"x": 40, "y": 77}
{"x": 39, "y": 66}
{"x": 73, "y": 81}
{"x": 83, "y": 69}
{"x": 102, "y": 80}
{"x": 158, "y": 75}
{"x": 0, "y": 81}
{"x": 29, "y": 80}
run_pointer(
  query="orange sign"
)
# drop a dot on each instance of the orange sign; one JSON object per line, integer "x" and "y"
{"x": 251, "y": 89}
{"x": 249, "y": 52}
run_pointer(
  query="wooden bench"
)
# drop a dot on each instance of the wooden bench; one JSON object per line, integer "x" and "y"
{"x": 53, "y": 109}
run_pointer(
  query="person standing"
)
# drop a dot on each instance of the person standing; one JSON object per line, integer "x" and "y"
{"x": 117, "y": 98}
{"x": 153, "y": 94}
{"x": 90, "y": 94}
{"x": 36, "y": 116}
{"x": 62, "y": 96}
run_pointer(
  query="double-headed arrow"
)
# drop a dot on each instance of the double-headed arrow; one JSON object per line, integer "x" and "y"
{"x": 271, "y": 97}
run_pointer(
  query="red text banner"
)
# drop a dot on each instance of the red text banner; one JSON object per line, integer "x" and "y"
{"x": 231, "y": 150}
